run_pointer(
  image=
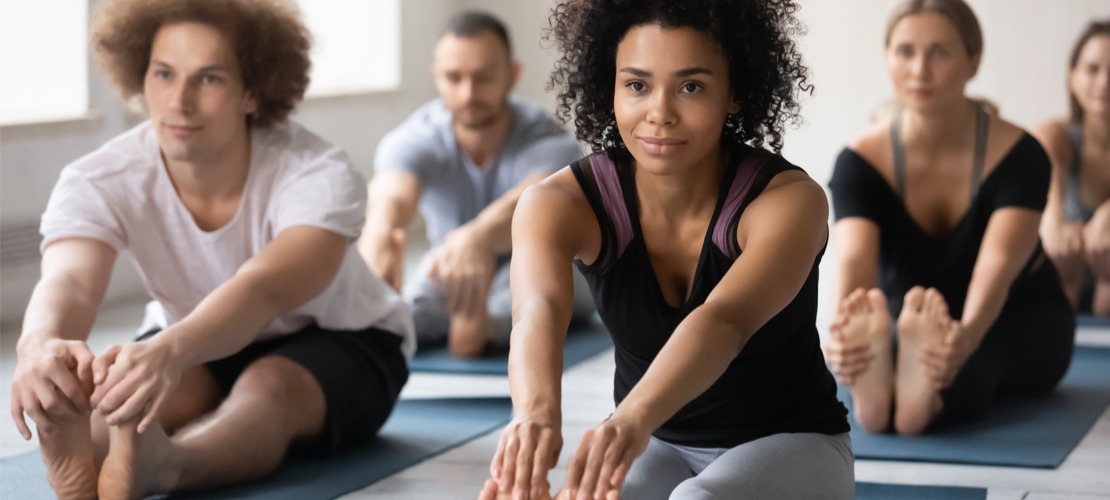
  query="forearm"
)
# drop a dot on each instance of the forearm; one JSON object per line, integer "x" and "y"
{"x": 536, "y": 358}
{"x": 225, "y": 322}
{"x": 855, "y": 274}
{"x": 695, "y": 357}
{"x": 60, "y": 308}
{"x": 493, "y": 225}
{"x": 391, "y": 204}
{"x": 986, "y": 295}
{"x": 296, "y": 267}
{"x": 383, "y": 216}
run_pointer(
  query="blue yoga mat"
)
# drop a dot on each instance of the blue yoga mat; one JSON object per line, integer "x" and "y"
{"x": 1033, "y": 432}
{"x": 583, "y": 342}
{"x": 881, "y": 491}
{"x": 418, "y": 430}
{"x": 1095, "y": 321}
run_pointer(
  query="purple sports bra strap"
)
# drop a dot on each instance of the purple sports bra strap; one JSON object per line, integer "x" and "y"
{"x": 746, "y": 173}
{"x": 612, "y": 196}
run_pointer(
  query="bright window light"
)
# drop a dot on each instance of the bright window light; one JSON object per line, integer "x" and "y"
{"x": 358, "y": 45}
{"x": 44, "y": 56}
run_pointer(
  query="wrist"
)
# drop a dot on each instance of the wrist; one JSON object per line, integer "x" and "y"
{"x": 172, "y": 349}
{"x": 31, "y": 341}
{"x": 471, "y": 235}
{"x": 635, "y": 415}
{"x": 545, "y": 413}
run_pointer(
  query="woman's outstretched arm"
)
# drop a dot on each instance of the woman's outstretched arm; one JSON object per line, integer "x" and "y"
{"x": 1008, "y": 243}
{"x": 781, "y": 234}
{"x": 552, "y": 226}
{"x": 1063, "y": 238}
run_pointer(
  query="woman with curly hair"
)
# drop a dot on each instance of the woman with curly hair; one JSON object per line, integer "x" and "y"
{"x": 268, "y": 331}
{"x": 937, "y": 212}
{"x": 1076, "y": 225}
{"x": 701, "y": 250}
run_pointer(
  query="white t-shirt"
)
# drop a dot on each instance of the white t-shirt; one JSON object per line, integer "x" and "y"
{"x": 122, "y": 195}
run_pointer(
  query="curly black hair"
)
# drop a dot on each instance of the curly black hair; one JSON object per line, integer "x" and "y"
{"x": 765, "y": 68}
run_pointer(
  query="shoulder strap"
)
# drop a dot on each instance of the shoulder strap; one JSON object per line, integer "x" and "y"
{"x": 1075, "y": 138}
{"x": 746, "y": 173}
{"x": 982, "y": 128}
{"x": 608, "y": 185}
{"x": 899, "y": 150}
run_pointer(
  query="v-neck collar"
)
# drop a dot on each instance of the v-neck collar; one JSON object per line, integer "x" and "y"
{"x": 964, "y": 219}
{"x": 631, "y": 201}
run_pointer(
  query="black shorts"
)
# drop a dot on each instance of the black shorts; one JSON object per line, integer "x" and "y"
{"x": 360, "y": 371}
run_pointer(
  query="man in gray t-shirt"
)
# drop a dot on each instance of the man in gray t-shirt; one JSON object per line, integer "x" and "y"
{"x": 463, "y": 159}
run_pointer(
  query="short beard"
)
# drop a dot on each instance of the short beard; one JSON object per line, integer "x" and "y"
{"x": 486, "y": 121}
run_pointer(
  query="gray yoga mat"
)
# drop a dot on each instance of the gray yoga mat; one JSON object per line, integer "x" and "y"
{"x": 418, "y": 430}
{"x": 583, "y": 342}
{"x": 1033, "y": 432}
{"x": 882, "y": 491}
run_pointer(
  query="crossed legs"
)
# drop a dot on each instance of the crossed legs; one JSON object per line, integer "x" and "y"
{"x": 901, "y": 382}
{"x": 274, "y": 402}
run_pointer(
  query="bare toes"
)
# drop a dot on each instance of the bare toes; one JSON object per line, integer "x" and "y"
{"x": 914, "y": 299}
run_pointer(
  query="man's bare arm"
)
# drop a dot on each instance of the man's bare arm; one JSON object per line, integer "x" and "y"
{"x": 390, "y": 208}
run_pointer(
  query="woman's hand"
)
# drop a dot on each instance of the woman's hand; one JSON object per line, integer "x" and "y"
{"x": 847, "y": 358}
{"x": 135, "y": 379}
{"x": 943, "y": 361}
{"x": 52, "y": 380}
{"x": 1063, "y": 239}
{"x": 1096, "y": 243}
{"x": 528, "y": 449}
{"x": 601, "y": 462}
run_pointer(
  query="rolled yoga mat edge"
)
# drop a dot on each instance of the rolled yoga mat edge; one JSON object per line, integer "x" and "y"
{"x": 884, "y": 491}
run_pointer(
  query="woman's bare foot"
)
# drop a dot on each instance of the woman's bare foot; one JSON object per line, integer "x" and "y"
{"x": 68, "y": 455}
{"x": 137, "y": 464}
{"x": 470, "y": 334}
{"x": 924, "y": 320}
{"x": 1100, "y": 303}
{"x": 863, "y": 317}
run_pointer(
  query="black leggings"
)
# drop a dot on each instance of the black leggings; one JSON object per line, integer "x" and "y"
{"x": 1025, "y": 353}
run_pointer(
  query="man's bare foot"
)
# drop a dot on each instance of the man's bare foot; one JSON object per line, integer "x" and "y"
{"x": 863, "y": 317}
{"x": 924, "y": 320}
{"x": 470, "y": 334}
{"x": 68, "y": 455}
{"x": 137, "y": 464}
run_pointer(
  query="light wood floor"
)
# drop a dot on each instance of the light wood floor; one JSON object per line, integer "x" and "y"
{"x": 587, "y": 399}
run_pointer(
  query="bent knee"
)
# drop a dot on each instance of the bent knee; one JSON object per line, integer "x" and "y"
{"x": 279, "y": 380}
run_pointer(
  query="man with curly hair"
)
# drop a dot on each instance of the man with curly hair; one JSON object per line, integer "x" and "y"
{"x": 463, "y": 159}
{"x": 268, "y": 332}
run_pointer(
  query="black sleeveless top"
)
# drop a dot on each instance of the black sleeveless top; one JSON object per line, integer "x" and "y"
{"x": 908, "y": 256}
{"x": 778, "y": 383}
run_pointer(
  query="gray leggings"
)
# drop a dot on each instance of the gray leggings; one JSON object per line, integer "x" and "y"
{"x": 433, "y": 320}
{"x": 778, "y": 466}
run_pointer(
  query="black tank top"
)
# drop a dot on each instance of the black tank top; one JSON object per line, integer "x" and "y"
{"x": 778, "y": 383}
